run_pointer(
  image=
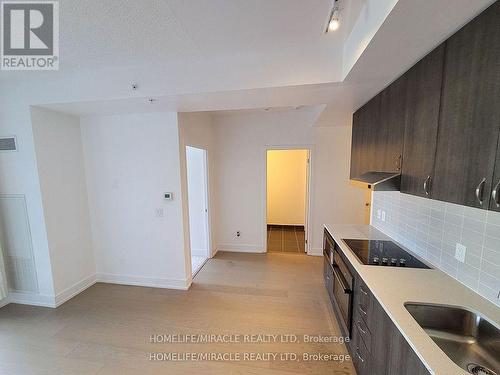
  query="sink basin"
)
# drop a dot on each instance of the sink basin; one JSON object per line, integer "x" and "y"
{"x": 467, "y": 338}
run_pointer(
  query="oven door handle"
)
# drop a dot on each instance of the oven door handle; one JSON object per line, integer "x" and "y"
{"x": 340, "y": 279}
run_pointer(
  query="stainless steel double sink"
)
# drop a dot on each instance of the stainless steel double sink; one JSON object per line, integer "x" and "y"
{"x": 467, "y": 338}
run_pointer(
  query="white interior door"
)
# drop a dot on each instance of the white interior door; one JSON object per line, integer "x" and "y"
{"x": 197, "y": 181}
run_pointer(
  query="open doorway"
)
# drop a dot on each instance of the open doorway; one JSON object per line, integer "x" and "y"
{"x": 287, "y": 200}
{"x": 197, "y": 185}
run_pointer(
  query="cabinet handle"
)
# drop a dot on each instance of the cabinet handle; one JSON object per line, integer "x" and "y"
{"x": 480, "y": 191}
{"x": 361, "y": 310}
{"x": 359, "y": 355}
{"x": 495, "y": 196}
{"x": 361, "y": 329}
{"x": 398, "y": 163}
{"x": 363, "y": 291}
{"x": 426, "y": 185}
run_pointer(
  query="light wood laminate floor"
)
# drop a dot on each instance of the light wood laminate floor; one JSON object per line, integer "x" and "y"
{"x": 107, "y": 328}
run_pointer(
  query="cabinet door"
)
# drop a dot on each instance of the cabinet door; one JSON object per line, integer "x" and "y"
{"x": 391, "y": 353}
{"x": 378, "y": 128}
{"x": 421, "y": 123}
{"x": 357, "y": 143}
{"x": 364, "y": 127}
{"x": 495, "y": 194}
{"x": 361, "y": 356}
{"x": 389, "y": 135}
{"x": 470, "y": 113}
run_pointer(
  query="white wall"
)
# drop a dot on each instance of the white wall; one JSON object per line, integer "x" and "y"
{"x": 241, "y": 141}
{"x": 19, "y": 176}
{"x": 197, "y": 200}
{"x": 130, "y": 161}
{"x": 64, "y": 195}
{"x": 286, "y": 187}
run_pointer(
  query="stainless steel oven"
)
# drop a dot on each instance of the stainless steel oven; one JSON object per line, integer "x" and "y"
{"x": 343, "y": 292}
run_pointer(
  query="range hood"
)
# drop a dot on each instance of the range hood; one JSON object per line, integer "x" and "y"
{"x": 380, "y": 181}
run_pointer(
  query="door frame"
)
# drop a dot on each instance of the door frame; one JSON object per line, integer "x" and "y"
{"x": 206, "y": 188}
{"x": 309, "y": 191}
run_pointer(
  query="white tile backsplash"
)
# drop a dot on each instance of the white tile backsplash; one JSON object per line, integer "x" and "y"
{"x": 432, "y": 229}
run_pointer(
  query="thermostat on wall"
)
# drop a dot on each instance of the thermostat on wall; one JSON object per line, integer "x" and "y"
{"x": 168, "y": 196}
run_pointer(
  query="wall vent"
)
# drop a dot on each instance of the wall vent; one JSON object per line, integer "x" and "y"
{"x": 8, "y": 144}
{"x": 16, "y": 244}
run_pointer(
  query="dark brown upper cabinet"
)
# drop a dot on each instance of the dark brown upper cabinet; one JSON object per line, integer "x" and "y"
{"x": 364, "y": 127}
{"x": 377, "y": 132}
{"x": 443, "y": 116}
{"x": 470, "y": 113}
{"x": 424, "y": 82}
{"x": 389, "y": 153}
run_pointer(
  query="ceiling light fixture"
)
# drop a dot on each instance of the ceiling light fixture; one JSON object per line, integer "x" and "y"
{"x": 333, "y": 21}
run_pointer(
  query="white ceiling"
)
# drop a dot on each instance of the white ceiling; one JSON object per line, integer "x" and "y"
{"x": 97, "y": 34}
{"x": 210, "y": 55}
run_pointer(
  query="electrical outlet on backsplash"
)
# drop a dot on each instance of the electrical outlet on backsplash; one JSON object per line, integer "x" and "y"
{"x": 432, "y": 229}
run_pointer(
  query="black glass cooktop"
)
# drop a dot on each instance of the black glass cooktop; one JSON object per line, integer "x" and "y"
{"x": 383, "y": 253}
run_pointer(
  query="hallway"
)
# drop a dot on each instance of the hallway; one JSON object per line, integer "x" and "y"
{"x": 286, "y": 239}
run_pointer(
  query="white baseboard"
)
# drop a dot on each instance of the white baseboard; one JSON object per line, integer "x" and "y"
{"x": 72, "y": 291}
{"x": 33, "y": 299}
{"x": 315, "y": 252}
{"x": 240, "y": 248}
{"x": 4, "y": 302}
{"x": 143, "y": 281}
{"x": 199, "y": 252}
{"x": 188, "y": 283}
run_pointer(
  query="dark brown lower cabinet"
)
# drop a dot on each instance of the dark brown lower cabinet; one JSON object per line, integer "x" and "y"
{"x": 377, "y": 346}
{"x": 391, "y": 353}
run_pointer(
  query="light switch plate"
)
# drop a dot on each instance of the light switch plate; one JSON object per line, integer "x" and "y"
{"x": 383, "y": 215}
{"x": 379, "y": 213}
{"x": 460, "y": 251}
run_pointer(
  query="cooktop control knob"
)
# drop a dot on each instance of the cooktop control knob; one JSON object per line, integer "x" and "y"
{"x": 402, "y": 262}
{"x": 384, "y": 261}
{"x": 375, "y": 260}
{"x": 394, "y": 261}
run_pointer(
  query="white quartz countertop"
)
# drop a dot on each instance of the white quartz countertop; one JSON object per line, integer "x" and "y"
{"x": 394, "y": 286}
